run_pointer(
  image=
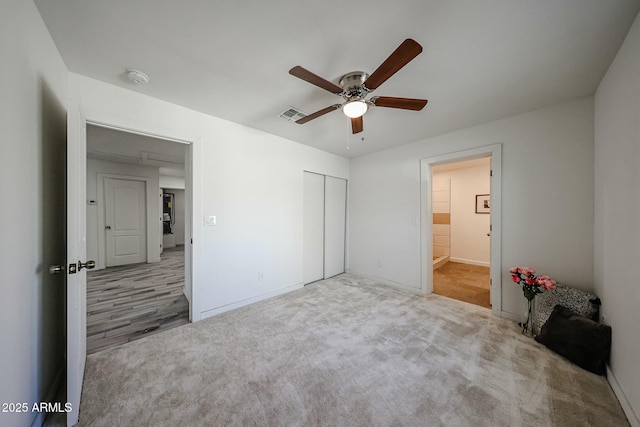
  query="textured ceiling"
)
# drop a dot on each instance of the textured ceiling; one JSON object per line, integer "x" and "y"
{"x": 125, "y": 147}
{"x": 229, "y": 58}
{"x": 111, "y": 141}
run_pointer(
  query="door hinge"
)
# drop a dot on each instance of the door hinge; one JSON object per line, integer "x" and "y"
{"x": 491, "y": 172}
{"x": 490, "y": 227}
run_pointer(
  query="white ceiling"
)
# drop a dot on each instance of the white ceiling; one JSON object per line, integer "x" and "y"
{"x": 482, "y": 60}
{"x": 106, "y": 140}
{"x": 125, "y": 147}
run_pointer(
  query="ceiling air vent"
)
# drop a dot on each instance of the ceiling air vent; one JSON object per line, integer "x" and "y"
{"x": 292, "y": 114}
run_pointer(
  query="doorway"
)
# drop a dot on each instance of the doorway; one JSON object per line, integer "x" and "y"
{"x": 488, "y": 205}
{"x": 461, "y": 203}
{"x": 127, "y": 173}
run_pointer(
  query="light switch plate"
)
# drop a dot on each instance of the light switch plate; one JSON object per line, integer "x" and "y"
{"x": 210, "y": 220}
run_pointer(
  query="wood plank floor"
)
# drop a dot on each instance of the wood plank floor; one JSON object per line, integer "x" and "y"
{"x": 464, "y": 282}
{"x": 129, "y": 302}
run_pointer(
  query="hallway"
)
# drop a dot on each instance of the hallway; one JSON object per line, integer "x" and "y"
{"x": 129, "y": 302}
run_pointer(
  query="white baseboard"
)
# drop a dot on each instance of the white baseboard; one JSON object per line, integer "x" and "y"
{"x": 511, "y": 316}
{"x": 238, "y": 304}
{"x": 470, "y": 261}
{"x": 626, "y": 406}
{"x": 390, "y": 283}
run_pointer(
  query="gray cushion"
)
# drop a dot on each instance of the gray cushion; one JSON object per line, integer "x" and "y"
{"x": 575, "y": 299}
{"x": 577, "y": 338}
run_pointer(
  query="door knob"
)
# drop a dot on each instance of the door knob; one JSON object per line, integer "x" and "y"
{"x": 108, "y": 227}
{"x": 89, "y": 265}
{"x": 57, "y": 269}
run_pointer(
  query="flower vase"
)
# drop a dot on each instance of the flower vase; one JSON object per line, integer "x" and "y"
{"x": 527, "y": 325}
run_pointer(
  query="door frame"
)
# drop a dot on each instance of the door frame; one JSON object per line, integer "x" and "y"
{"x": 114, "y": 124}
{"x": 493, "y": 151}
{"x": 101, "y": 196}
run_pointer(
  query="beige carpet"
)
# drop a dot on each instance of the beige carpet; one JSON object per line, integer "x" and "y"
{"x": 344, "y": 352}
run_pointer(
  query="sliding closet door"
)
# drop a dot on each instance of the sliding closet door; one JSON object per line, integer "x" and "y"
{"x": 313, "y": 228}
{"x": 335, "y": 208}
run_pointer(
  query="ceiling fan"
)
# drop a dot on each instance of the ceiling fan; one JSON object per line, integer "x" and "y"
{"x": 356, "y": 85}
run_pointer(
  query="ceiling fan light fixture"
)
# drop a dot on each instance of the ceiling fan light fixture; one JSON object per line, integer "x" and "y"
{"x": 355, "y": 109}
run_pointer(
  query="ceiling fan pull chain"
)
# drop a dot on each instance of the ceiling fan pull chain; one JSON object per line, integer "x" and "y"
{"x": 348, "y": 122}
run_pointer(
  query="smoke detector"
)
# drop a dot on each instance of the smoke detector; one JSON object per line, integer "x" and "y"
{"x": 137, "y": 77}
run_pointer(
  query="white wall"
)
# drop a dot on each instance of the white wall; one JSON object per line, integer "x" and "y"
{"x": 547, "y": 199}
{"x": 617, "y": 215}
{"x": 251, "y": 181}
{"x": 95, "y": 229}
{"x": 33, "y": 105}
{"x": 469, "y": 241}
{"x": 172, "y": 182}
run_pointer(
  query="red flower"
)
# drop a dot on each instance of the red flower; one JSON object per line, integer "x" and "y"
{"x": 546, "y": 282}
{"x": 531, "y": 285}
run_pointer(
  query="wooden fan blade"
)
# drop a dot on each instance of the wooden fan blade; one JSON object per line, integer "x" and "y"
{"x": 400, "y": 57}
{"x": 317, "y": 114}
{"x": 356, "y": 125}
{"x": 403, "y": 103}
{"x": 314, "y": 79}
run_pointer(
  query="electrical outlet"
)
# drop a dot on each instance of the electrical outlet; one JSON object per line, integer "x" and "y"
{"x": 260, "y": 277}
{"x": 210, "y": 220}
{"x": 379, "y": 264}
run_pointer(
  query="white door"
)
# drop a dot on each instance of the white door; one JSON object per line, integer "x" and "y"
{"x": 76, "y": 257}
{"x": 335, "y": 208}
{"x": 125, "y": 221}
{"x": 313, "y": 228}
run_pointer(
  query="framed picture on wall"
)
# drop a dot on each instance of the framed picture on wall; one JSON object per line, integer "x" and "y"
{"x": 483, "y": 203}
